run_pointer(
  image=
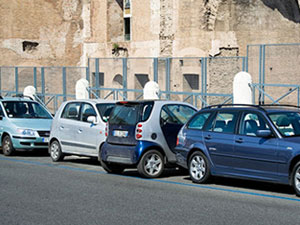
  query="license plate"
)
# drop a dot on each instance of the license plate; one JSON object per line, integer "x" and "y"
{"x": 120, "y": 133}
{"x": 45, "y": 139}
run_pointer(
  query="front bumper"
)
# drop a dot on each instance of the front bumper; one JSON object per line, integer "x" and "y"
{"x": 21, "y": 142}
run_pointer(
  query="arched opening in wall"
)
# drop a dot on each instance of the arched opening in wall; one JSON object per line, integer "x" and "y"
{"x": 118, "y": 81}
{"x": 191, "y": 82}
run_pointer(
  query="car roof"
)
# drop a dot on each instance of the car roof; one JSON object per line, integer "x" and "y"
{"x": 157, "y": 101}
{"x": 95, "y": 101}
{"x": 27, "y": 99}
{"x": 264, "y": 108}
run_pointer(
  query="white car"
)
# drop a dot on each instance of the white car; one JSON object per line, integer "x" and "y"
{"x": 78, "y": 128}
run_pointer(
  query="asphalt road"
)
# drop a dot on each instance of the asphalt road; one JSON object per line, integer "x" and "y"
{"x": 34, "y": 190}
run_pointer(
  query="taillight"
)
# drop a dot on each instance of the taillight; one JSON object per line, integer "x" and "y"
{"x": 139, "y": 131}
{"x": 177, "y": 141}
{"x": 106, "y": 130}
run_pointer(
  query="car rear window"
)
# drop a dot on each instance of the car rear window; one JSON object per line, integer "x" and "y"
{"x": 130, "y": 113}
{"x": 105, "y": 110}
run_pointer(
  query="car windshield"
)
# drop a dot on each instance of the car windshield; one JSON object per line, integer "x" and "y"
{"x": 288, "y": 123}
{"x": 105, "y": 110}
{"x": 23, "y": 109}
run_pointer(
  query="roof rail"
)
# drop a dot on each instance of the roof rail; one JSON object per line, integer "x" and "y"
{"x": 227, "y": 105}
{"x": 22, "y": 96}
{"x": 284, "y": 105}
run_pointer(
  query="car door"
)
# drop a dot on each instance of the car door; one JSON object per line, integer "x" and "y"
{"x": 86, "y": 132}
{"x": 67, "y": 127}
{"x": 172, "y": 118}
{"x": 219, "y": 136}
{"x": 255, "y": 156}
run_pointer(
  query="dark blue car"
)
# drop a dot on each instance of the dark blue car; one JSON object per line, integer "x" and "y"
{"x": 242, "y": 141}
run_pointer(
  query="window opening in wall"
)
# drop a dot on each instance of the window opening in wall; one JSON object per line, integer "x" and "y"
{"x": 127, "y": 29}
{"x": 118, "y": 79}
{"x": 29, "y": 45}
{"x": 101, "y": 80}
{"x": 192, "y": 80}
{"x": 142, "y": 79}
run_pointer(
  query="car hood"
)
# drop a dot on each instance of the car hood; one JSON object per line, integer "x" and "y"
{"x": 35, "y": 124}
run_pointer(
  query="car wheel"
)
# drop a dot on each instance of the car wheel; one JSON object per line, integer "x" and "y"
{"x": 55, "y": 151}
{"x": 151, "y": 164}
{"x": 296, "y": 178}
{"x": 7, "y": 146}
{"x": 199, "y": 168}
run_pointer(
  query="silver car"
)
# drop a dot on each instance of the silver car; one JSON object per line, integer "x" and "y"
{"x": 78, "y": 128}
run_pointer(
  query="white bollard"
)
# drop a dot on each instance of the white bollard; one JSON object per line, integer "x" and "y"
{"x": 81, "y": 89}
{"x": 151, "y": 90}
{"x": 242, "y": 91}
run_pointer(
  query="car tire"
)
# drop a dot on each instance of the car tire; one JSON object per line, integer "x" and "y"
{"x": 55, "y": 152}
{"x": 7, "y": 146}
{"x": 151, "y": 164}
{"x": 296, "y": 178}
{"x": 199, "y": 168}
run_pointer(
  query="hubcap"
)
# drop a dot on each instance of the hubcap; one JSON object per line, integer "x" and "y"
{"x": 54, "y": 150}
{"x": 6, "y": 145}
{"x": 153, "y": 164}
{"x": 297, "y": 179}
{"x": 197, "y": 167}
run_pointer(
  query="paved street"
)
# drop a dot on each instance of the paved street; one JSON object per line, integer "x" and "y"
{"x": 34, "y": 190}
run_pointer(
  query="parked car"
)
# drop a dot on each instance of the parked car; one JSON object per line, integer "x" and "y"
{"x": 143, "y": 134}
{"x": 249, "y": 142}
{"x": 78, "y": 128}
{"x": 24, "y": 125}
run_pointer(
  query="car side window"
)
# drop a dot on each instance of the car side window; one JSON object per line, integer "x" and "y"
{"x": 198, "y": 121}
{"x": 86, "y": 111}
{"x": 71, "y": 111}
{"x": 176, "y": 114}
{"x": 224, "y": 122}
{"x": 251, "y": 123}
{"x": 1, "y": 111}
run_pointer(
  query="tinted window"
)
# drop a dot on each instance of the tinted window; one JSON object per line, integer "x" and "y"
{"x": 105, "y": 110}
{"x": 86, "y": 111}
{"x": 23, "y": 109}
{"x": 1, "y": 111}
{"x": 224, "y": 122}
{"x": 71, "y": 111}
{"x": 198, "y": 121}
{"x": 125, "y": 114}
{"x": 176, "y": 114}
{"x": 288, "y": 123}
{"x": 251, "y": 123}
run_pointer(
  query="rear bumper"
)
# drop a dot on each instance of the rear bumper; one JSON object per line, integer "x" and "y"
{"x": 124, "y": 154}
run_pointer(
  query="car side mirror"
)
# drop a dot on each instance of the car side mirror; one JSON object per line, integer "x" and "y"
{"x": 263, "y": 133}
{"x": 92, "y": 119}
{"x": 1, "y": 117}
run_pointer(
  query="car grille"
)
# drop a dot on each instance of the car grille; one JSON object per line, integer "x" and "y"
{"x": 44, "y": 133}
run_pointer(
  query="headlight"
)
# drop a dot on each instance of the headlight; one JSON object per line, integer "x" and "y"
{"x": 27, "y": 132}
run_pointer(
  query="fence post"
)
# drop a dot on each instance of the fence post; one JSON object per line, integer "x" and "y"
{"x": 124, "y": 60}
{"x": 97, "y": 77}
{"x": 34, "y": 78}
{"x": 87, "y": 71}
{"x": 43, "y": 83}
{"x": 247, "y": 59}
{"x": 0, "y": 81}
{"x": 204, "y": 80}
{"x": 168, "y": 78}
{"x": 263, "y": 70}
{"x": 155, "y": 69}
{"x": 17, "y": 79}
{"x": 64, "y": 80}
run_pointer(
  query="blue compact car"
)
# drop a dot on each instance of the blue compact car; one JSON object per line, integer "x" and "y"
{"x": 143, "y": 134}
{"x": 24, "y": 125}
{"x": 242, "y": 141}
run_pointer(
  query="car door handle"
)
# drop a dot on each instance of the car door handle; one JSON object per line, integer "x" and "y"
{"x": 79, "y": 131}
{"x": 240, "y": 140}
{"x": 61, "y": 127}
{"x": 208, "y": 137}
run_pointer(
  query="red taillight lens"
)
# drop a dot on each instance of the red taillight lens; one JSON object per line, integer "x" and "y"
{"x": 177, "y": 141}
{"x": 106, "y": 130}
{"x": 139, "y": 125}
{"x": 138, "y": 136}
{"x": 139, "y": 130}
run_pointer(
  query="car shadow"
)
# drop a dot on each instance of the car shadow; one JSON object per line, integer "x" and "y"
{"x": 168, "y": 172}
{"x": 31, "y": 153}
{"x": 250, "y": 184}
{"x": 83, "y": 160}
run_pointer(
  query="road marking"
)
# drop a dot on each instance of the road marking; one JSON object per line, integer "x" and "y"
{"x": 150, "y": 180}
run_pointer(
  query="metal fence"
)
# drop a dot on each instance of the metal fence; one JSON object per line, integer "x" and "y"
{"x": 201, "y": 81}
